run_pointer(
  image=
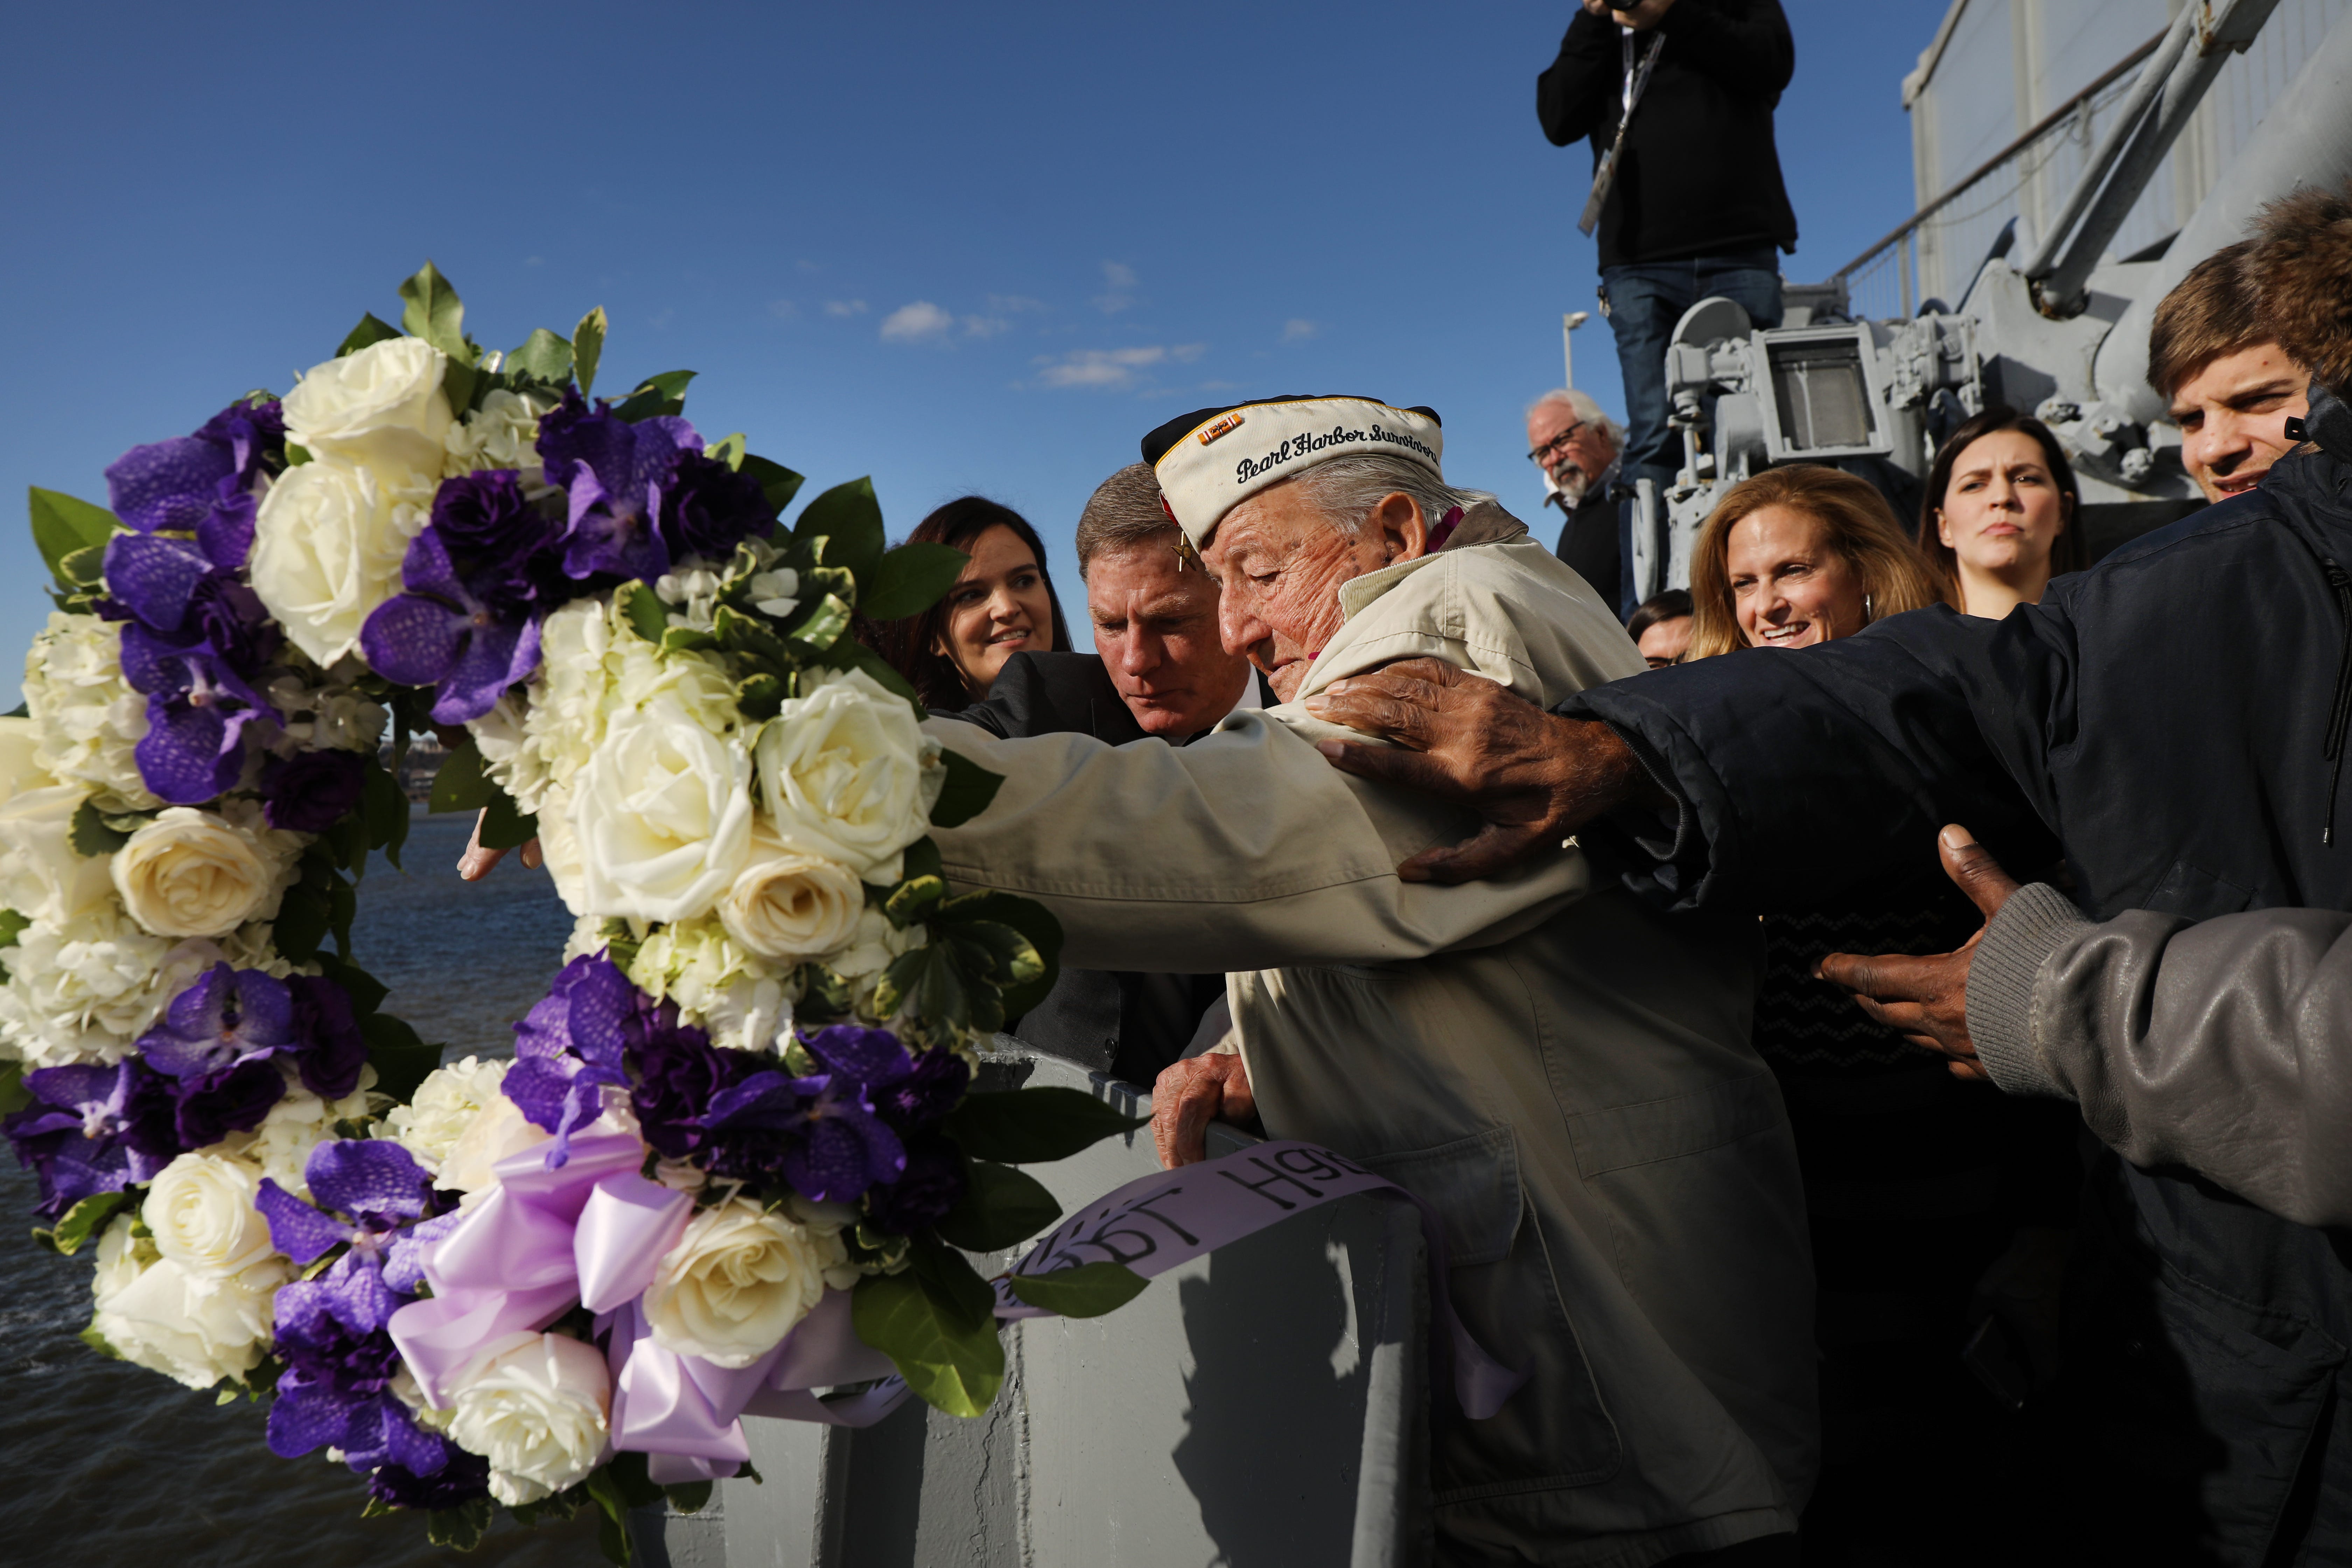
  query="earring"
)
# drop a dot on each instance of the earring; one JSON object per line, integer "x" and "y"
{"x": 1866, "y": 617}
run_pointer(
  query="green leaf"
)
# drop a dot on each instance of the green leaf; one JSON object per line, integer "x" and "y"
{"x": 612, "y": 1518}
{"x": 14, "y": 1095}
{"x": 997, "y": 953}
{"x": 96, "y": 1341}
{"x": 63, "y": 525}
{"x": 457, "y": 384}
{"x": 1088, "y": 1290}
{"x": 626, "y": 1471}
{"x": 967, "y": 792}
{"x": 911, "y": 580}
{"x": 89, "y": 835}
{"x": 383, "y": 805}
{"x": 656, "y": 394}
{"x": 401, "y": 1060}
{"x": 342, "y": 908}
{"x": 691, "y": 1498}
{"x": 648, "y": 616}
{"x": 459, "y": 785}
{"x": 432, "y": 310}
{"x": 1029, "y": 1126}
{"x": 369, "y": 332}
{"x": 928, "y": 981}
{"x": 760, "y": 697}
{"x": 85, "y": 568}
{"x": 948, "y": 1359}
{"x": 506, "y": 826}
{"x": 729, "y": 450}
{"x": 777, "y": 482}
{"x": 82, "y": 1221}
{"x": 297, "y": 454}
{"x": 822, "y": 625}
{"x": 923, "y": 860}
{"x": 1001, "y": 1208}
{"x": 544, "y": 357}
{"x": 304, "y": 915}
{"x": 1030, "y": 918}
{"x": 12, "y": 926}
{"x": 911, "y": 897}
{"x": 588, "y": 348}
{"x": 849, "y": 520}
{"x": 366, "y": 992}
{"x": 460, "y": 1528}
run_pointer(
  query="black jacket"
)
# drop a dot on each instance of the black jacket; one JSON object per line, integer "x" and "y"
{"x": 1588, "y": 543}
{"x": 2167, "y": 716}
{"x": 1130, "y": 1024}
{"x": 1699, "y": 175}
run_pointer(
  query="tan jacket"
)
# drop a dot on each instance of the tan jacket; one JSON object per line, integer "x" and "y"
{"x": 1563, "y": 1074}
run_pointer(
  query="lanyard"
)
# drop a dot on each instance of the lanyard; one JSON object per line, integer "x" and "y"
{"x": 1637, "y": 78}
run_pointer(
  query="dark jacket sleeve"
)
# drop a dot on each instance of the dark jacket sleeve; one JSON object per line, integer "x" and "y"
{"x": 1745, "y": 48}
{"x": 1580, "y": 91}
{"x": 1824, "y": 772}
{"x": 2224, "y": 1045}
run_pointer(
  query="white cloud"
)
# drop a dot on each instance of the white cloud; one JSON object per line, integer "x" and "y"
{"x": 839, "y": 308}
{"x": 985, "y": 326}
{"x": 915, "y": 322}
{"x": 1119, "y": 288}
{"x": 1099, "y": 367}
{"x": 1298, "y": 330}
{"x": 808, "y": 265}
{"x": 1012, "y": 304}
{"x": 783, "y": 309}
{"x": 1185, "y": 353}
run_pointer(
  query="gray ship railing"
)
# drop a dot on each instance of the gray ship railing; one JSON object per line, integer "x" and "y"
{"x": 1260, "y": 1407}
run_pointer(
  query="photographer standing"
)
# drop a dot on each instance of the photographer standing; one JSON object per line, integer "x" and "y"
{"x": 1690, "y": 201}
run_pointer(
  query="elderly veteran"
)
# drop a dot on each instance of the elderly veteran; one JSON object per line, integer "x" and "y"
{"x": 1564, "y": 1075}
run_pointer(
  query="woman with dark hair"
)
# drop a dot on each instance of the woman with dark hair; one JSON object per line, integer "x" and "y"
{"x": 1003, "y": 605}
{"x": 1998, "y": 516}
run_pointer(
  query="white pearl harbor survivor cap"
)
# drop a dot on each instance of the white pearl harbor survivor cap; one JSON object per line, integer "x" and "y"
{"x": 1210, "y": 460}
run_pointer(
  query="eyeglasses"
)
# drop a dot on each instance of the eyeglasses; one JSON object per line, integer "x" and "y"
{"x": 1542, "y": 456}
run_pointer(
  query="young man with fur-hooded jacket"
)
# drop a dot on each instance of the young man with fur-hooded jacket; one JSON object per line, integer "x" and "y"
{"x": 2175, "y": 719}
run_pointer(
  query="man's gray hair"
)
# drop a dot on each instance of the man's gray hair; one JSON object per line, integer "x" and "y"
{"x": 1123, "y": 512}
{"x": 1346, "y": 489}
{"x": 1583, "y": 405}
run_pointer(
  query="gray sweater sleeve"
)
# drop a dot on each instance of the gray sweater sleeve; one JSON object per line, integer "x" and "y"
{"x": 2223, "y": 1046}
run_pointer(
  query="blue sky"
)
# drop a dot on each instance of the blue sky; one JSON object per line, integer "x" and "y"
{"x": 960, "y": 249}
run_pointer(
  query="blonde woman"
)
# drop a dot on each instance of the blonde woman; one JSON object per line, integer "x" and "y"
{"x": 1926, "y": 1196}
{"x": 1800, "y": 556}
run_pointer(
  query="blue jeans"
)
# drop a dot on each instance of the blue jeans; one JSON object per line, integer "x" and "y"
{"x": 1644, "y": 301}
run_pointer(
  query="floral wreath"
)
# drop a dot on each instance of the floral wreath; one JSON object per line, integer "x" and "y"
{"x": 732, "y": 1158}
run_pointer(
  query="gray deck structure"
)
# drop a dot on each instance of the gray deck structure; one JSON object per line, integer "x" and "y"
{"x": 1261, "y": 1408}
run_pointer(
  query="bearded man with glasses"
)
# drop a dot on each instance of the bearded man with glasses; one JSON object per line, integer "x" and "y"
{"x": 1577, "y": 446}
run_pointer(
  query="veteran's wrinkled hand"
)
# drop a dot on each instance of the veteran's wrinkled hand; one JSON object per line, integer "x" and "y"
{"x": 1925, "y": 998}
{"x": 475, "y": 863}
{"x": 1535, "y": 776}
{"x": 1191, "y": 1093}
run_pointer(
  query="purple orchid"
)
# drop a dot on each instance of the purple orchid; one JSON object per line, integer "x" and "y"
{"x": 926, "y": 1094}
{"x": 464, "y": 1479}
{"x": 613, "y": 473}
{"x": 202, "y": 483}
{"x": 329, "y": 1049}
{"x": 311, "y": 791}
{"x": 442, "y": 633}
{"x": 708, "y": 508}
{"x": 821, "y": 1135}
{"x": 569, "y": 1047}
{"x": 92, "y": 1129}
{"x": 680, "y": 1072}
{"x": 932, "y": 1182}
{"x": 333, "y": 1331}
{"x": 194, "y": 635}
{"x": 217, "y": 1038}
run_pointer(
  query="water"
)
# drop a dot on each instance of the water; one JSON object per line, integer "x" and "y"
{"x": 108, "y": 1464}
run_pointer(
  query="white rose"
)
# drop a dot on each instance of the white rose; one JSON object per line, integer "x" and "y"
{"x": 714, "y": 980}
{"x": 664, "y": 816}
{"x": 873, "y": 944}
{"x": 20, "y": 764}
{"x": 559, "y": 849}
{"x": 381, "y": 406}
{"x": 844, "y": 774}
{"x": 195, "y": 1331}
{"x": 190, "y": 873}
{"x": 789, "y": 905}
{"x": 446, "y": 1104}
{"x": 201, "y": 1212}
{"x": 538, "y": 1407}
{"x": 327, "y": 547}
{"x": 85, "y": 718}
{"x": 737, "y": 1282}
{"x": 503, "y": 433}
{"x": 42, "y": 876}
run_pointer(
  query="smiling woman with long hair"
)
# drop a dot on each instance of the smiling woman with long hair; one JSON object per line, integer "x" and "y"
{"x": 1004, "y": 604}
{"x": 1799, "y": 555}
